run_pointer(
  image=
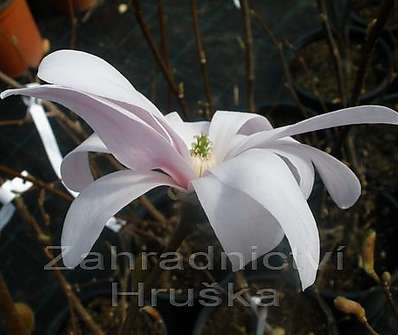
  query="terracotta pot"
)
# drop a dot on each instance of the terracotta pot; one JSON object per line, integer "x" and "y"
{"x": 21, "y": 45}
{"x": 78, "y": 5}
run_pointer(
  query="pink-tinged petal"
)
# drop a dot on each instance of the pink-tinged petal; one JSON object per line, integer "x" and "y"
{"x": 187, "y": 130}
{"x": 75, "y": 168}
{"x": 226, "y": 125}
{"x": 266, "y": 178}
{"x": 241, "y": 224}
{"x": 160, "y": 124}
{"x": 341, "y": 183}
{"x": 96, "y": 204}
{"x": 88, "y": 73}
{"x": 349, "y": 116}
{"x": 130, "y": 140}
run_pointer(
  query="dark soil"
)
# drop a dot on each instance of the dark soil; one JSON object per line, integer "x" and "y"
{"x": 319, "y": 75}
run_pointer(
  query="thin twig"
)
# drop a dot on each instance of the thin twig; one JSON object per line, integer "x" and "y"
{"x": 73, "y": 24}
{"x": 164, "y": 45}
{"x": 165, "y": 70}
{"x": 22, "y": 121}
{"x": 390, "y": 299}
{"x": 66, "y": 287}
{"x": 279, "y": 46}
{"x": 37, "y": 182}
{"x": 334, "y": 50}
{"x": 41, "y": 204}
{"x": 374, "y": 32}
{"x": 202, "y": 58}
{"x": 370, "y": 329}
{"x": 52, "y": 108}
{"x": 249, "y": 57}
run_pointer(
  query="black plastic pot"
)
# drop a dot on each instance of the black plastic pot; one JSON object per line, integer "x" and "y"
{"x": 312, "y": 101}
{"x": 289, "y": 282}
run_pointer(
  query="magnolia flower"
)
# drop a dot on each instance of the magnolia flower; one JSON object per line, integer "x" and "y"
{"x": 252, "y": 180}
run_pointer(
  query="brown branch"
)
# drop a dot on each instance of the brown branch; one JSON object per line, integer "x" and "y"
{"x": 374, "y": 32}
{"x": 202, "y": 59}
{"x": 164, "y": 45}
{"x": 8, "y": 312}
{"x": 66, "y": 287}
{"x": 334, "y": 50}
{"x": 53, "y": 109}
{"x": 22, "y": 121}
{"x": 37, "y": 182}
{"x": 249, "y": 58}
{"x": 73, "y": 24}
{"x": 165, "y": 70}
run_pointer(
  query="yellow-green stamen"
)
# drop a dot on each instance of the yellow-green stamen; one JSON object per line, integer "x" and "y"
{"x": 201, "y": 153}
{"x": 201, "y": 147}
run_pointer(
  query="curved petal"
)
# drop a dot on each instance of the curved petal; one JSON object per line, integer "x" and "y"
{"x": 265, "y": 177}
{"x": 97, "y": 203}
{"x": 225, "y": 125}
{"x": 130, "y": 140}
{"x": 187, "y": 130}
{"x": 349, "y": 116}
{"x": 302, "y": 169}
{"x": 341, "y": 183}
{"x": 243, "y": 226}
{"x": 88, "y": 73}
{"x": 75, "y": 167}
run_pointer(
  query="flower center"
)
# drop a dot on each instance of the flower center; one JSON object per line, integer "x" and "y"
{"x": 201, "y": 153}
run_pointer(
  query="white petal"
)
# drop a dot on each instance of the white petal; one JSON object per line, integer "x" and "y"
{"x": 302, "y": 169}
{"x": 91, "y": 74}
{"x": 241, "y": 224}
{"x": 226, "y": 125}
{"x": 341, "y": 183}
{"x": 187, "y": 130}
{"x": 75, "y": 167}
{"x": 265, "y": 177}
{"x": 349, "y": 116}
{"x": 97, "y": 203}
{"x": 132, "y": 141}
